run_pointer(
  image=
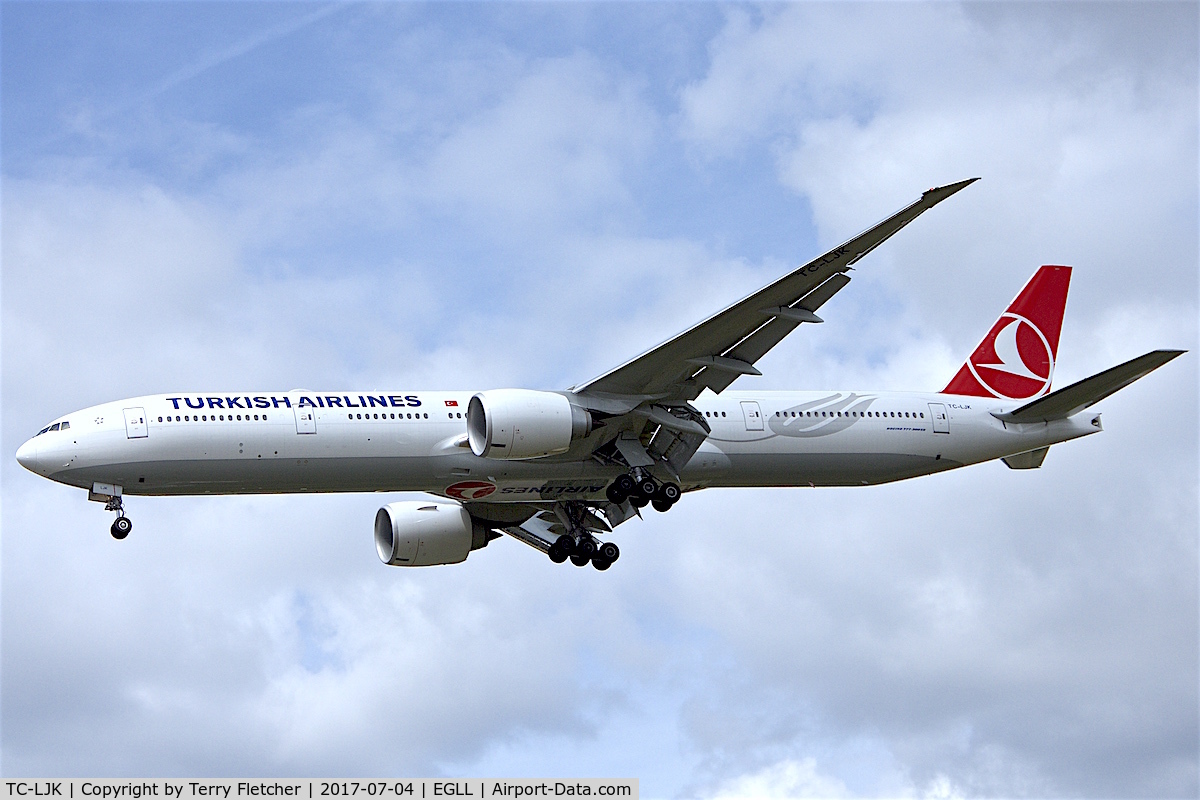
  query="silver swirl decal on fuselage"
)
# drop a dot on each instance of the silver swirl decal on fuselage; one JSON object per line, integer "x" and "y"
{"x": 823, "y": 416}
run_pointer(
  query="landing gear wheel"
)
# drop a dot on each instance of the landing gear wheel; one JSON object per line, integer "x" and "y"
{"x": 121, "y": 528}
{"x": 638, "y": 501}
{"x": 668, "y": 493}
{"x": 601, "y": 563}
{"x": 563, "y": 546}
{"x": 660, "y": 505}
{"x": 586, "y": 548}
{"x": 608, "y": 552}
{"x": 646, "y": 487}
{"x": 625, "y": 484}
{"x": 580, "y": 561}
{"x": 614, "y": 494}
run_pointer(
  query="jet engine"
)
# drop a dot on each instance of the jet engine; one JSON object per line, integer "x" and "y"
{"x": 515, "y": 424}
{"x": 422, "y": 534}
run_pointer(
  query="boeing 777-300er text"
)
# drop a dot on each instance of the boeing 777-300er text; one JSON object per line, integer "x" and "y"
{"x": 558, "y": 469}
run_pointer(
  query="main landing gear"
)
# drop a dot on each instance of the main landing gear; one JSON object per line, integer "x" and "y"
{"x": 583, "y": 550}
{"x": 121, "y": 525}
{"x": 640, "y": 489}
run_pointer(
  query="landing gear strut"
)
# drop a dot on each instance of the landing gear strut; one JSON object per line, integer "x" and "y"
{"x": 121, "y": 525}
{"x": 640, "y": 489}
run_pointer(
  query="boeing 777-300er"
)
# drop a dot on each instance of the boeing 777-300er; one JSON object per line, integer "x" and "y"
{"x": 558, "y": 469}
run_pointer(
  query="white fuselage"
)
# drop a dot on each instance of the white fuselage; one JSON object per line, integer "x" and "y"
{"x": 249, "y": 443}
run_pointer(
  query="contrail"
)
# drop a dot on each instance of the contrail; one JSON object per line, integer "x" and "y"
{"x": 233, "y": 51}
{"x": 204, "y": 64}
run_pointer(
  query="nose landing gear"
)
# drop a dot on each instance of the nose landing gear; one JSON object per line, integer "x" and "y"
{"x": 121, "y": 525}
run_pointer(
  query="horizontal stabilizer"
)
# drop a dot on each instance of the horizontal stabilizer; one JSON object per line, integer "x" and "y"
{"x": 1078, "y": 396}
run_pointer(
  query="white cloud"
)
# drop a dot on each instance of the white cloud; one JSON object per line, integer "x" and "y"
{"x": 785, "y": 779}
{"x": 1086, "y": 161}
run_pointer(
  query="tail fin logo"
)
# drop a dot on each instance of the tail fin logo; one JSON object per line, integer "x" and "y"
{"x": 1018, "y": 364}
{"x": 1015, "y": 361}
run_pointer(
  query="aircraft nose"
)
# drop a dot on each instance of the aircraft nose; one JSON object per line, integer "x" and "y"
{"x": 27, "y": 455}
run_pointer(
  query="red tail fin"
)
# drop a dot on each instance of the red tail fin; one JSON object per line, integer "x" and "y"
{"x": 1015, "y": 361}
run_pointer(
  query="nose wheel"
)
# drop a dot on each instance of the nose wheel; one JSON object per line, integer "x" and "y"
{"x": 121, "y": 525}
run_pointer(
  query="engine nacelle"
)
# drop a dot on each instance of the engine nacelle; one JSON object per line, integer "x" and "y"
{"x": 521, "y": 423}
{"x": 422, "y": 534}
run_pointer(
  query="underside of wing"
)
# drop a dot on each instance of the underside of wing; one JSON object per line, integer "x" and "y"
{"x": 539, "y": 525}
{"x": 715, "y": 352}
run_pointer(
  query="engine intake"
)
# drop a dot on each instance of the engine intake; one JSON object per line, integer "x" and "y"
{"x": 515, "y": 424}
{"x": 424, "y": 534}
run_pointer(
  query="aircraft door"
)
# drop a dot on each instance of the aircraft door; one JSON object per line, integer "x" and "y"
{"x": 941, "y": 423}
{"x": 754, "y": 420}
{"x": 306, "y": 420}
{"x": 135, "y": 423}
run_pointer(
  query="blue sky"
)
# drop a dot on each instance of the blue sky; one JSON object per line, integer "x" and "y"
{"x": 420, "y": 196}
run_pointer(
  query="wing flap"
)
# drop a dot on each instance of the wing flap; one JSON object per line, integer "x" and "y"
{"x": 1078, "y": 396}
{"x": 759, "y": 343}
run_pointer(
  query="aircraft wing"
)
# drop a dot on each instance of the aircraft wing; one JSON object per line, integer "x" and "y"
{"x": 1089, "y": 391}
{"x": 715, "y": 352}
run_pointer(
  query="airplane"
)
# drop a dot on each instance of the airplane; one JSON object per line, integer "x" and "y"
{"x": 559, "y": 470}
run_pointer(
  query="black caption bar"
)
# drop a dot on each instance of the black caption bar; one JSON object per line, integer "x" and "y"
{"x": 314, "y": 789}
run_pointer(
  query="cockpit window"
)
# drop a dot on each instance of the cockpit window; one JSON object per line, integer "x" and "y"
{"x": 55, "y": 426}
{"x": 66, "y": 425}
